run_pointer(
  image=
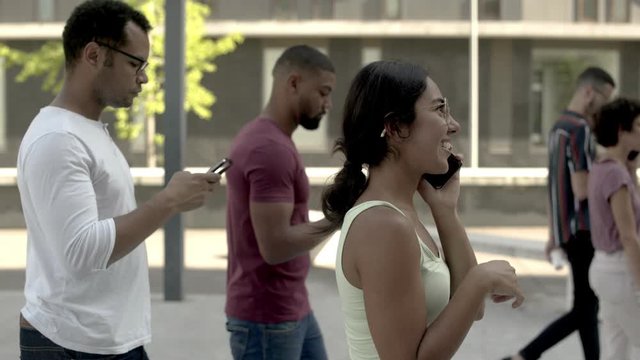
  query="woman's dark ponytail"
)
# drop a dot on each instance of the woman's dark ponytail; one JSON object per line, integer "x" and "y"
{"x": 339, "y": 197}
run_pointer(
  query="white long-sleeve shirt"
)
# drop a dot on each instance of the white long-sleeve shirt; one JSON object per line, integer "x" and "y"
{"x": 73, "y": 181}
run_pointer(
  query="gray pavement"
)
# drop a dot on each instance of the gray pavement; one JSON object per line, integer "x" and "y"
{"x": 194, "y": 328}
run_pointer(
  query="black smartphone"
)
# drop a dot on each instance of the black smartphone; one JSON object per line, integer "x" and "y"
{"x": 221, "y": 167}
{"x": 438, "y": 180}
{"x": 632, "y": 155}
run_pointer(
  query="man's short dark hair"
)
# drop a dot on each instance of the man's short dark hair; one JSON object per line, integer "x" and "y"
{"x": 103, "y": 20}
{"x": 303, "y": 57}
{"x": 596, "y": 76}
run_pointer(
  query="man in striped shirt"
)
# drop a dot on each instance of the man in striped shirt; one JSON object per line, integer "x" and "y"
{"x": 571, "y": 151}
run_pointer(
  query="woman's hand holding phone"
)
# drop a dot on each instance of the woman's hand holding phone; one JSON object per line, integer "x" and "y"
{"x": 439, "y": 180}
{"x": 442, "y": 190}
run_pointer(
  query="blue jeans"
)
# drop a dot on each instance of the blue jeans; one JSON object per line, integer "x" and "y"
{"x": 35, "y": 346}
{"x": 291, "y": 340}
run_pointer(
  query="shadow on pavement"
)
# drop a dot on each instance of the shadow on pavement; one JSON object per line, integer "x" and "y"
{"x": 212, "y": 281}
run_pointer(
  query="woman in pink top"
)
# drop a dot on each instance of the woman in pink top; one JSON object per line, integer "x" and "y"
{"x": 614, "y": 208}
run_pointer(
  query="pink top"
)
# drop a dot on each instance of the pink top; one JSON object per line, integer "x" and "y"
{"x": 266, "y": 168}
{"x": 605, "y": 179}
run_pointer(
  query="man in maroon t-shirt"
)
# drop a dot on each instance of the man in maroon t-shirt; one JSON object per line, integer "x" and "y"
{"x": 268, "y": 230}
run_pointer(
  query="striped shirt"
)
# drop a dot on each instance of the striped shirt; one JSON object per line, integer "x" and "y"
{"x": 571, "y": 149}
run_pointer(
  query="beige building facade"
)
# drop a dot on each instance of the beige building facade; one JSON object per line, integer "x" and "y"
{"x": 507, "y": 67}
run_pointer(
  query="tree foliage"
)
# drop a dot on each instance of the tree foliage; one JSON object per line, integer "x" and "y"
{"x": 48, "y": 62}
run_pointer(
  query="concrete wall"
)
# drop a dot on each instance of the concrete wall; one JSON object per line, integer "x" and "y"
{"x": 547, "y": 10}
{"x": 349, "y": 9}
{"x": 435, "y": 10}
{"x": 531, "y": 10}
{"x": 17, "y": 11}
{"x": 505, "y": 68}
{"x": 239, "y": 9}
{"x": 32, "y": 10}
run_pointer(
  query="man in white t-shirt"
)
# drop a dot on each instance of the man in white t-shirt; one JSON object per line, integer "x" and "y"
{"x": 87, "y": 286}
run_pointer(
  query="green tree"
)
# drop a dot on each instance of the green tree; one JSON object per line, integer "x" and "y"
{"x": 48, "y": 62}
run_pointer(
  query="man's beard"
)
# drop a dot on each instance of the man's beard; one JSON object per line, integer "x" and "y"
{"x": 311, "y": 123}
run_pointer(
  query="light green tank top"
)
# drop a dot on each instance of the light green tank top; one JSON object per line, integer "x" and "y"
{"x": 435, "y": 277}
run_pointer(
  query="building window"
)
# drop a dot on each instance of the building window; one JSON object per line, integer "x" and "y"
{"x": 371, "y": 51}
{"x": 537, "y": 133}
{"x": 45, "y": 9}
{"x": 315, "y": 9}
{"x": 586, "y": 10}
{"x": 284, "y": 9}
{"x": 392, "y": 9}
{"x": 618, "y": 11}
{"x": 489, "y": 9}
{"x": 301, "y": 9}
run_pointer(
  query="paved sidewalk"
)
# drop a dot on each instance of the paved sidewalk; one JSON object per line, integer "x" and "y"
{"x": 194, "y": 328}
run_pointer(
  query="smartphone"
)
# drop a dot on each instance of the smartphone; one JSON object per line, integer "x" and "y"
{"x": 221, "y": 167}
{"x": 438, "y": 180}
{"x": 632, "y": 155}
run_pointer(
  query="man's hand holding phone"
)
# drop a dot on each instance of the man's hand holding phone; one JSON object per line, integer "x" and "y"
{"x": 221, "y": 166}
{"x": 186, "y": 191}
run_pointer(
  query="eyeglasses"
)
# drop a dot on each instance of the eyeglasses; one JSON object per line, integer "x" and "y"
{"x": 443, "y": 108}
{"x": 143, "y": 63}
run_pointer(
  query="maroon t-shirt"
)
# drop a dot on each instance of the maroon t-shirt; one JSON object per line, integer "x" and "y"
{"x": 266, "y": 168}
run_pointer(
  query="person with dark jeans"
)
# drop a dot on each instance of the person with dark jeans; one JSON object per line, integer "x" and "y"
{"x": 583, "y": 316}
{"x": 87, "y": 274}
{"x": 269, "y": 234}
{"x": 571, "y": 153}
{"x": 36, "y": 346}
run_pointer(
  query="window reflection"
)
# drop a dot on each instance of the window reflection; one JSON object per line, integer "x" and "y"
{"x": 586, "y": 10}
{"x": 489, "y": 9}
{"x": 301, "y": 9}
{"x": 45, "y": 9}
{"x": 618, "y": 10}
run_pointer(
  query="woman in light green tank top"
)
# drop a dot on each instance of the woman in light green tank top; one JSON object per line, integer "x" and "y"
{"x": 402, "y": 296}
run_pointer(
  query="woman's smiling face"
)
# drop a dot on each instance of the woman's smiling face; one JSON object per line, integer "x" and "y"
{"x": 429, "y": 142}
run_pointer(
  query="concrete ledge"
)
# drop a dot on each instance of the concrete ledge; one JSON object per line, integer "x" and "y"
{"x": 494, "y": 176}
{"x": 378, "y": 29}
{"x": 320, "y": 176}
